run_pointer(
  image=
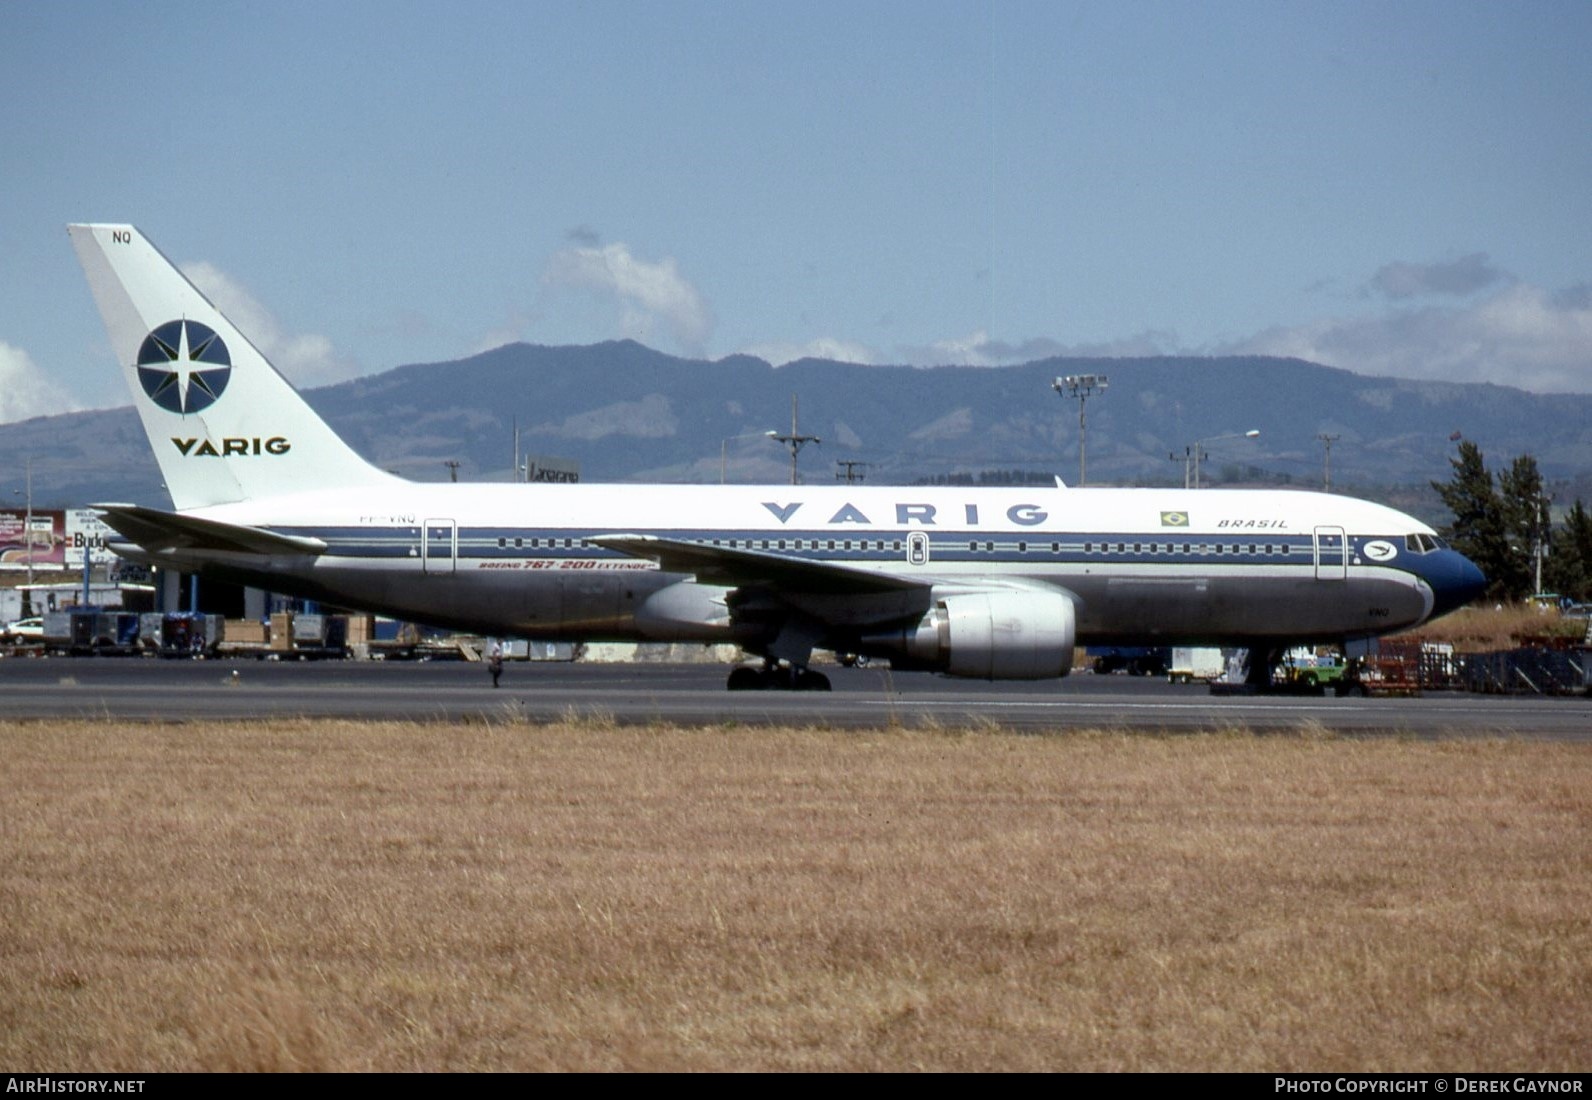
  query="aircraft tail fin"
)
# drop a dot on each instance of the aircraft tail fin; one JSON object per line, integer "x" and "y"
{"x": 224, "y": 424}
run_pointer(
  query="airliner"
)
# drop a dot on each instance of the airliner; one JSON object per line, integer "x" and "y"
{"x": 996, "y": 584}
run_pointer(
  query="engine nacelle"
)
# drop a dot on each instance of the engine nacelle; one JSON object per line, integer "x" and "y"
{"x": 1025, "y": 635}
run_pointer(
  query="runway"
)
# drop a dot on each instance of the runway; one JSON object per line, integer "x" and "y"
{"x": 694, "y": 695}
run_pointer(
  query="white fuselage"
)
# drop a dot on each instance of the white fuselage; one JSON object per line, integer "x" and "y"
{"x": 1141, "y": 564}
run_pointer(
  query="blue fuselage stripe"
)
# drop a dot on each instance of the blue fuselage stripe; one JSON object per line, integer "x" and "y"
{"x": 520, "y": 543}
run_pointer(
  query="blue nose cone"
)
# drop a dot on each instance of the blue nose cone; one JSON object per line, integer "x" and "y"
{"x": 1454, "y": 578}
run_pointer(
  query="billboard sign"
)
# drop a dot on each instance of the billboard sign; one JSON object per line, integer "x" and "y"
{"x": 85, "y": 531}
{"x": 43, "y": 545}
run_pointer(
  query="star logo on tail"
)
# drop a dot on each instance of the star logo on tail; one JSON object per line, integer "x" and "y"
{"x": 184, "y": 366}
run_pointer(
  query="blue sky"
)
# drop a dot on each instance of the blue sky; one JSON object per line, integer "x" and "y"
{"x": 1394, "y": 188}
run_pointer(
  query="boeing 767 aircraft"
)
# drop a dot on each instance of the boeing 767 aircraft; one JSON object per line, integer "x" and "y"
{"x": 988, "y": 583}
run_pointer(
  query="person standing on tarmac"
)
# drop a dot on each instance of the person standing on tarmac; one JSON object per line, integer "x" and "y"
{"x": 494, "y": 661}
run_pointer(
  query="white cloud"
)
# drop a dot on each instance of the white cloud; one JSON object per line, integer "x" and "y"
{"x": 1517, "y": 335}
{"x": 977, "y": 349}
{"x": 1460, "y": 277}
{"x": 1520, "y": 336}
{"x": 24, "y": 391}
{"x": 841, "y": 351}
{"x": 647, "y": 293}
{"x": 306, "y": 359}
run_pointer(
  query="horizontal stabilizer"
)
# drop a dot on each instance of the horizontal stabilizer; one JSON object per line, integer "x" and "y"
{"x": 721, "y": 565}
{"x": 156, "y": 531}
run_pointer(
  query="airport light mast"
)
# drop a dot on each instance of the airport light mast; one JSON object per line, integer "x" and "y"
{"x": 1082, "y": 387}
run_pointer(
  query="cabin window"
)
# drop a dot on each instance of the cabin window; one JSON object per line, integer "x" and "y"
{"x": 1022, "y": 548}
{"x": 831, "y": 544}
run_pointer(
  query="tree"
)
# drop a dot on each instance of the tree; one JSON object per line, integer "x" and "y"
{"x": 1527, "y": 523}
{"x": 1569, "y": 565}
{"x": 1479, "y": 529}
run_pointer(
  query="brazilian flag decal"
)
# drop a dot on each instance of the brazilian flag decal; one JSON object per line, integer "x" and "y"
{"x": 1174, "y": 519}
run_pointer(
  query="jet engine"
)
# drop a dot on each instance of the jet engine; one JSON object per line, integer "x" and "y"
{"x": 1016, "y": 635}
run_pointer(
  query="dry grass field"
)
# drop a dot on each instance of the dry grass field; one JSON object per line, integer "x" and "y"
{"x": 515, "y": 897}
{"x": 1482, "y": 629}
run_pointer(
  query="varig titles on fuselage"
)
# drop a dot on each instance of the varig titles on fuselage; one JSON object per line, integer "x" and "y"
{"x": 926, "y": 515}
{"x": 906, "y": 513}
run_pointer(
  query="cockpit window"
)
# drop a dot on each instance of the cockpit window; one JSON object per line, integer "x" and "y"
{"x": 1423, "y": 544}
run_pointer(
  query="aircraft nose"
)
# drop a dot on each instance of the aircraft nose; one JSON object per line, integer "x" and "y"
{"x": 1455, "y": 581}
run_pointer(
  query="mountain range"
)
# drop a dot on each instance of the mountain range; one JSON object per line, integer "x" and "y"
{"x": 625, "y": 412}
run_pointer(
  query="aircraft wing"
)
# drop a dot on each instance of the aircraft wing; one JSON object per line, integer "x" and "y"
{"x": 154, "y": 530}
{"x": 732, "y": 568}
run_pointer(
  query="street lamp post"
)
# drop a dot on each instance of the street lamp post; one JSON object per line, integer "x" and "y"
{"x": 724, "y": 446}
{"x": 1191, "y": 455}
{"x": 1082, "y": 387}
{"x": 27, "y": 542}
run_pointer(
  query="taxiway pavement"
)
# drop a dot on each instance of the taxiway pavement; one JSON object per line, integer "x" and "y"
{"x": 694, "y": 695}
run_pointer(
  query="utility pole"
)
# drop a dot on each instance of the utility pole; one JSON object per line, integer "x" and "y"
{"x": 453, "y": 465}
{"x": 1539, "y": 545}
{"x": 1326, "y": 476}
{"x": 1082, "y": 387}
{"x": 1187, "y": 459}
{"x": 852, "y": 467}
{"x": 795, "y": 441}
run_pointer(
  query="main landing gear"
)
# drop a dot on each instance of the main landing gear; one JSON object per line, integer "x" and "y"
{"x": 776, "y": 677}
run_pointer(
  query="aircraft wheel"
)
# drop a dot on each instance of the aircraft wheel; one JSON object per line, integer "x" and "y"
{"x": 747, "y": 679}
{"x": 808, "y": 680}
